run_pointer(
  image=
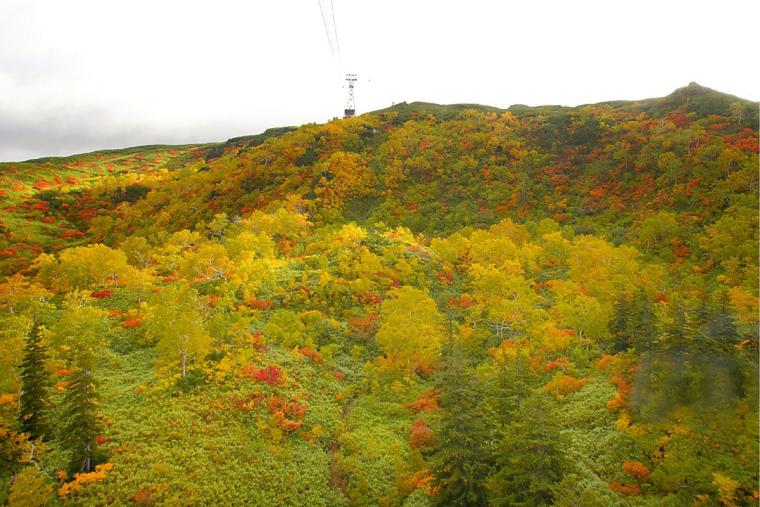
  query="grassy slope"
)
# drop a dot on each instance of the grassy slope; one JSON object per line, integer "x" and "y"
{"x": 30, "y": 227}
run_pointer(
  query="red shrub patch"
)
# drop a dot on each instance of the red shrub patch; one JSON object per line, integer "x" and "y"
{"x": 286, "y": 424}
{"x": 421, "y": 435}
{"x": 464, "y": 301}
{"x": 257, "y": 341}
{"x": 636, "y": 469}
{"x": 446, "y": 277}
{"x": 258, "y": 304}
{"x": 71, "y": 233}
{"x": 131, "y": 323}
{"x": 143, "y": 496}
{"x": 427, "y": 402}
{"x": 622, "y": 393}
{"x": 561, "y": 363}
{"x": 369, "y": 298}
{"x": 271, "y": 374}
{"x": 287, "y": 413}
{"x": 101, "y": 294}
{"x": 40, "y": 206}
{"x": 87, "y": 214}
{"x": 364, "y": 326}
{"x": 311, "y": 354}
{"x": 625, "y": 489}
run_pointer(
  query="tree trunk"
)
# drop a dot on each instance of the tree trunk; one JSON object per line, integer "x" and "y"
{"x": 183, "y": 356}
{"x": 86, "y": 466}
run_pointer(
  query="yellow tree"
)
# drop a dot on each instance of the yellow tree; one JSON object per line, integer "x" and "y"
{"x": 341, "y": 176}
{"x": 16, "y": 290}
{"x": 175, "y": 322}
{"x": 84, "y": 266}
{"x": 79, "y": 336}
{"x": 411, "y": 329}
{"x": 602, "y": 269}
{"x": 209, "y": 261}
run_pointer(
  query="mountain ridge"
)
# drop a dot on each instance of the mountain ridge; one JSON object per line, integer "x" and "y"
{"x": 692, "y": 89}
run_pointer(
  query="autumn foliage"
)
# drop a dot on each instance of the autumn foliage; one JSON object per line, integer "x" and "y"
{"x": 427, "y": 402}
{"x": 311, "y": 354}
{"x": 563, "y": 384}
{"x": 636, "y": 469}
{"x": 83, "y": 479}
{"x": 625, "y": 489}
{"x": 420, "y": 434}
{"x": 397, "y": 305}
{"x": 131, "y": 322}
{"x": 271, "y": 374}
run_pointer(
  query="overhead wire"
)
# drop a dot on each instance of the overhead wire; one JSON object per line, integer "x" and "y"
{"x": 327, "y": 30}
{"x": 328, "y": 15}
{"x": 335, "y": 28}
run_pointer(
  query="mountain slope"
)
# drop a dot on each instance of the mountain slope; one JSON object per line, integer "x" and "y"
{"x": 532, "y": 305}
{"x": 604, "y": 169}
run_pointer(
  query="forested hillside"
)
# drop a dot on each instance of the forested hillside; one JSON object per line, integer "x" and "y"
{"x": 424, "y": 305}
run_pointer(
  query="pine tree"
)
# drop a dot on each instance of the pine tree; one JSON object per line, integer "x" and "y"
{"x": 678, "y": 335}
{"x": 34, "y": 382}
{"x": 509, "y": 388}
{"x": 717, "y": 365}
{"x": 530, "y": 461}
{"x": 642, "y": 324}
{"x": 720, "y": 327}
{"x": 82, "y": 425}
{"x": 460, "y": 461}
{"x": 619, "y": 326}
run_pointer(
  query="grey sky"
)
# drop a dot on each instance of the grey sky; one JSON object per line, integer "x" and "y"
{"x": 81, "y": 75}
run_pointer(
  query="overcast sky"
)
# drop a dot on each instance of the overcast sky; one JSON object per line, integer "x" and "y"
{"x": 80, "y": 75}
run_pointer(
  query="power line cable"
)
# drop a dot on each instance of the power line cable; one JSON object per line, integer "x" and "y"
{"x": 335, "y": 28}
{"x": 327, "y": 30}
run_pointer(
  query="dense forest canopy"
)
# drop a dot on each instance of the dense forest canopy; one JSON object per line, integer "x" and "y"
{"x": 424, "y": 305}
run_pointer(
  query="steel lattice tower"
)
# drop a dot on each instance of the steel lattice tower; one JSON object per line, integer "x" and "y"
{"x": 350, "y": 104}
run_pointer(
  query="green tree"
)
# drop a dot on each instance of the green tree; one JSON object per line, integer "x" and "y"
{"x": 79, "y": 338}
{"x": 619, "y": 324}
{"x": 633, "y": 323}
{"x": 641, "y": 327}
{"x": 285, "y": 327}
{"x": 510, "y": 387}
{"x": 34, "y": 400}
{"x": 717, "y": 325}
{"x": 678, "y": 331}
{"x": 460, "y": 460}
{"x": 530, "y": 460}
{"x": 82, "y": 424}
{"x": 658, "y": 230}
